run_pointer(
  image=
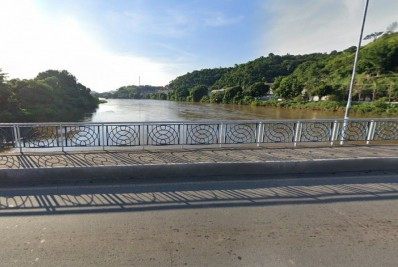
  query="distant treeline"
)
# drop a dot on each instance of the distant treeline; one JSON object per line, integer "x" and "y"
{"x": 136, "y": 92}
{"x": 51, "y": 96}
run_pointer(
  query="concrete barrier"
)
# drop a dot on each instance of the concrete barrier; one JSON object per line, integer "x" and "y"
{"x": 192, "y": 172}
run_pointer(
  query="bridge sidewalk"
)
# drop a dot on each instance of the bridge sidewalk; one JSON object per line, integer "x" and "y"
{"x": 33, "y": 168}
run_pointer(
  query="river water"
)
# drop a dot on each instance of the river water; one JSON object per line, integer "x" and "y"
{"x": 132, "y": 110}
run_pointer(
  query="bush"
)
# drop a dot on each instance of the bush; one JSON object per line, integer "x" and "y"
{"x": 248, "y": 100}
{"x": 231, "y": 93}
{"x": 289, "y": 87}
{"x": 197, "y": 93}
{"x": 216, "y": 97}
{"x": 205, "y": 99}
{"x": 257, "y": 89}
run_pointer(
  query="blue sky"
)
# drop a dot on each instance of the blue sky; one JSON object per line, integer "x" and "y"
{"x": 207, "y": 33}
{"x": 107, "y": 44}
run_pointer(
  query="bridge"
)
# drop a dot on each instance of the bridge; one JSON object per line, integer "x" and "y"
{"x": 278, "y": 193}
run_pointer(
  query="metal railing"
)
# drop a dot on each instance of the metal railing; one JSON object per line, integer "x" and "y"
{"x": 189, "y": 133}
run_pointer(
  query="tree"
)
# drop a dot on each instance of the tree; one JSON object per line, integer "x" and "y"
{"x": 289, "y": 87}
{"x": 351, "y": 49}
{"x": 381, "y": 56}
{"x": 216, "y": 96}
{"x": 5, "y": 92}
{"x": 198, "y": 92}
{"x": 51, "y": 96}
{"x": 257, "y": 89}
{"x": 392, "y": 27}
{"x": 324, "y": 89}
{"x": 231, "y": 93}
{"x": 184, "y": 83}
{"x": 373, "y": 35}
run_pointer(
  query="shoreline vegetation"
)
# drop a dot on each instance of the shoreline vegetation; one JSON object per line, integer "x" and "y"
{"x": 378, "y": 107}
{"x": 317, "y": 81}
{"x": 50, "y": 96}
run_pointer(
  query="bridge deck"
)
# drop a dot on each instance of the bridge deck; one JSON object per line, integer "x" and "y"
{"x": 189, "y": 156}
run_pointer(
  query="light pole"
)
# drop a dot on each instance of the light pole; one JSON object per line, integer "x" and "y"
{"x": 354, "y": 70}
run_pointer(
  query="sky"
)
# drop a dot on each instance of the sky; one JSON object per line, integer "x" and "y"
{"x": 110, "y": 43}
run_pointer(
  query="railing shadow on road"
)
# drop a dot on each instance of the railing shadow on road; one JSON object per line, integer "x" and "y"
{"x": 135, "y": 198}
{"x": 51, "y": 159}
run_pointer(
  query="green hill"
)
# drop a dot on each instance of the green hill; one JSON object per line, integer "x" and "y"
{"x": 377, "y": 73}
{"x": 302, "y": 77}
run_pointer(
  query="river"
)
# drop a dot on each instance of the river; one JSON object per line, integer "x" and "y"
{"x": 126, "y": 110}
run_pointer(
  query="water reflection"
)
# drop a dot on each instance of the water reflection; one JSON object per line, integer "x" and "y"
{"x": 123, "y": 110}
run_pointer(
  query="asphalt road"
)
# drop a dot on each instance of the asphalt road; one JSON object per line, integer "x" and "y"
{"x": 307, "y": 222}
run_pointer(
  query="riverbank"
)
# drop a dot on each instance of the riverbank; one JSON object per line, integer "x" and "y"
{"x": 378, "y": 107}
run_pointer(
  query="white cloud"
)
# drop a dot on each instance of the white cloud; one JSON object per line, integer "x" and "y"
{"x": 32, "y": 41}
{"x": 322, "y": 25}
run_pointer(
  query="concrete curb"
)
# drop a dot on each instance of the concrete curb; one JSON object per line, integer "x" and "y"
{"x": 191, "y": 172}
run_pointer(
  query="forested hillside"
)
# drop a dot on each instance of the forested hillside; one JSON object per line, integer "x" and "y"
{"x": 298, "y": 77}
{"x": 182, "y": 85}
{"x": 330, "y": 75}
{"x": 51, "y": 96}
{"x": 263, "y": 69}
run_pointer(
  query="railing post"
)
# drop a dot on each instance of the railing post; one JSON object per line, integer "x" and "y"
{"x": 143, "y": 137}
{"x": 335, "y": 130}
{"x": 15, "y": 135}
{"x": 344, "y": 131}
{"x": 371, "y": 133}
{"x": 297, "y": 135}
{"x": 62, "y": 137}
{"x": 103, "y": 136}
{"x": 259, "y": 133}
{"x": 140, "y": 134}
{"x": 17, "y": 140}
{"x": 220, "y": 141}
{"x": 182, "y": 135}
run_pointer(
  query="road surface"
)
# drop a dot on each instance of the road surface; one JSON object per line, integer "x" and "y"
{"x": 294, "y": 222}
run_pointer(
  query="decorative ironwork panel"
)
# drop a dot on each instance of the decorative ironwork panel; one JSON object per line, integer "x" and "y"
{"x": 354, "y": 131}
{"x": 386, "y": 130}
{"x": 39, "y": 136}
{"x": 278, "y": 132}
{"x": 316, "y": 131}
{"x": 82, "y": 135}
{"x": 7, "y": 137}
{"x": 201, "y": 134}
{"x": 240, "y": 133}
{"x": 123, "y": 135}
{"x": 42, "y": 135}
{"x": 163, "y": 134}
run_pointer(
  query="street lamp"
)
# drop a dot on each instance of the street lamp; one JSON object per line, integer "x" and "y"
{"x": 354, "y": 69}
